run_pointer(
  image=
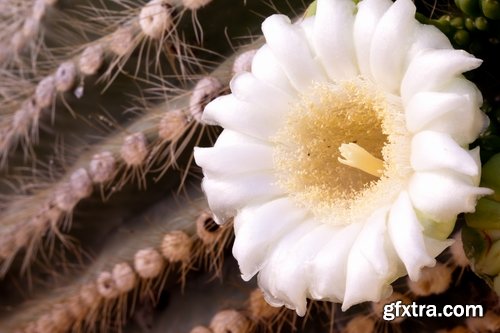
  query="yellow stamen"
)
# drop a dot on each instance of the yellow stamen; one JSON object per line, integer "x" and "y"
{"x": 357, "y": 157}
{"x": 341, "y": 182}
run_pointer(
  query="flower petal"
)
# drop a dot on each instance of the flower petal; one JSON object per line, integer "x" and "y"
{"x": 246, "y": 87}
{"x": 430, "y": 194}
{"x": 307, "y": 25}
{"x": 227, "y": 195}
{"x": 406, "y": 234}
{"x": 474, "y": 154}
{"x": 370, "y": 268}
{"x": 424, "y": 107}
{"x": 329, "y": 267}
{"x": 435, "y": 246}
{"x": 230, "y": 138}
{"x": 287, "y": 276}
{"x": 266, "y": 68}
{"x": 231, "y": 113}
{"x": 290, "y": 47}
{"x": 388, "y": 53}
{"x": 279, "y": 256}
{"x": 455, "y": 110}
{"x": 258, "y": 229}
{"x": 434, "y": 151}
{"x": 427, "y": 37}
{"x": 465, "y": 123}
{"x": 234, "y": 159}
{"x": 332, "y": 38}
{"x": 431, "y": 70}
{"x": 369, "y": 14}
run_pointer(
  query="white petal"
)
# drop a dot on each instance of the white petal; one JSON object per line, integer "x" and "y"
{"x": 474, "y": 154}
{"x": 333, "y": 42}
{"x": 230, "y": 138}
{"x": 433, "y": 151}
{"x": 367, "y": 18}
{"x": 371, "y": 239}
{"x": 258, "y": 229}
{"x": 435, "y": 247}
{"x": 390, "y": 44}
{"x": 424, "y": 107}
{"x": 407, "y": 237}
{"x": 266, "y": 68}
{"x": 288, "y": 268}
{"x": 329, "y": 267}
{"x": 441, "y": 196}
{"x": 267, "y": 278}
{"x": 246, "y": 87}
{"x": 369, "y": 268}
{"x": 227, "y": 195}
{"x": 307, "y": 25}
{"x": 465, "y": 123}
{"x": 290, "y": 47}
{"x": 234, "y": 159}
{"x": 364, "y": 284}
{"x": 428, "y": 37}
{"x": 232, "y": 113}
{"x": 431, "y": 70}
{"x": 465, "y": 87}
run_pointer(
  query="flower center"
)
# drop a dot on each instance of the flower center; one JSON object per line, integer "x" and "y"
{"x": 334, "y": 147}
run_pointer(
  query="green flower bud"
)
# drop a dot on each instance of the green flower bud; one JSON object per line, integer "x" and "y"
{"x": 457, "y": 22}
{"x": 491, "y": 9}
{"x": 469, "y": 7}
{"x": 490, "y": 177}
{"x": 469, "y": 24}
{"x": 443, "y": 24}
{"x": 487, "y": 215}
{"x": 461, "y": 38}
{"x": 475, "y": 243}
{"x": 490, "y": 263}
{"x": 481, "y": 235}
{"x": 481, "y": 23}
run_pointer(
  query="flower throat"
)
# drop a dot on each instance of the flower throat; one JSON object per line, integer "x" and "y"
{"x": 331, "y": 147}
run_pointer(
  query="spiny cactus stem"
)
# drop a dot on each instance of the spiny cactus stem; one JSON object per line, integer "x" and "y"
{"x": 138, "y": 271}
{"x": 254, "y": 314}
{"x": 24, "y": 121}
{"x": 134, "y": 260}
{"x": 113, "y": 50}
{"x": 26, "y": 29}
{"x": 110, "y": 164}
{"x": 230, "y": 321}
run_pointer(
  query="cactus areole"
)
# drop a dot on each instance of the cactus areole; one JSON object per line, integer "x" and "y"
{"x": 344, "y": 158}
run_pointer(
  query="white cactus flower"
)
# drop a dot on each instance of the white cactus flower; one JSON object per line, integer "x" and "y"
{"x": 344, "y": 158}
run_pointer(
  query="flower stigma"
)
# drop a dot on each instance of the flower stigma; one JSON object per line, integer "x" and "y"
{"x": 355, "y": 156}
